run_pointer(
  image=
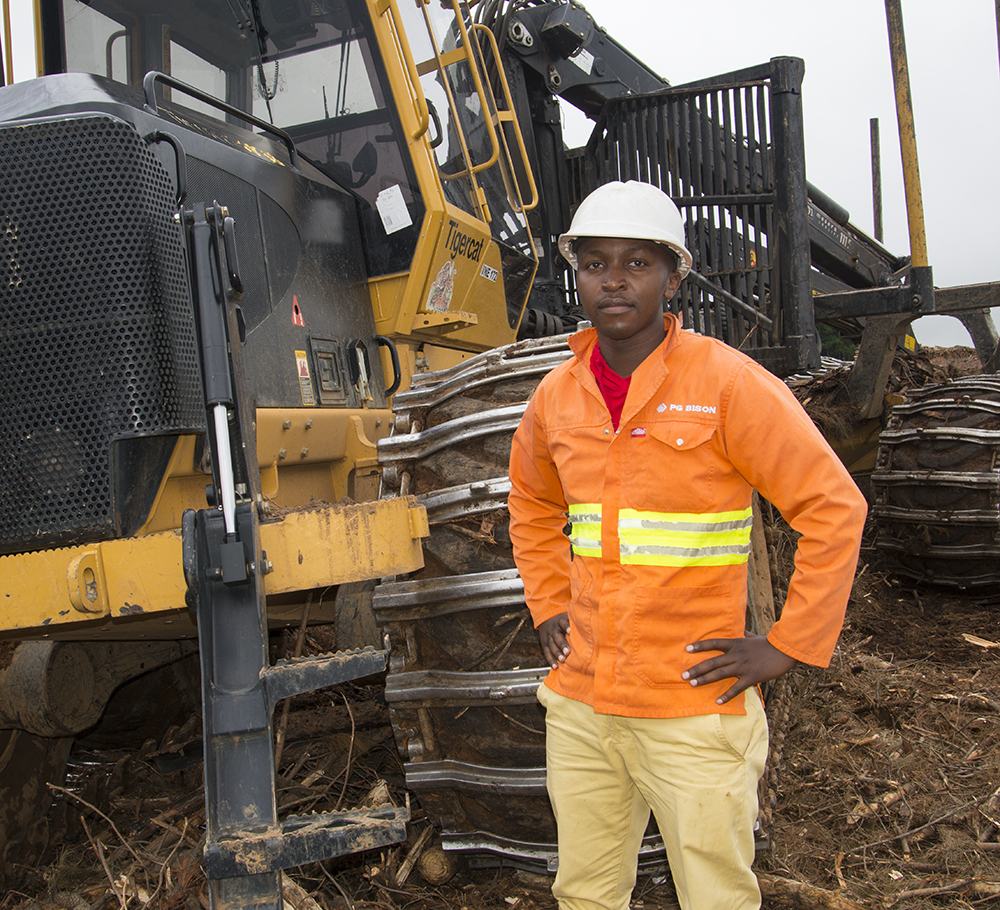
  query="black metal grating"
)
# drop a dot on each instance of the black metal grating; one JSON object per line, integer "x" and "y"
{"x": 576, "y": 175}
{"x": 708, "y": 150}
{"x": 710, "y": 147}
{"x": 96, "y": 334}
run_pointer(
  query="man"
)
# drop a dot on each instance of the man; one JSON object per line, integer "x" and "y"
{"x": 650, "y": 441}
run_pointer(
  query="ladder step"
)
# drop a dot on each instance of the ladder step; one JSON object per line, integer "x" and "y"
{"x": 307, "y": 674}
{"x": 305, "y": 839}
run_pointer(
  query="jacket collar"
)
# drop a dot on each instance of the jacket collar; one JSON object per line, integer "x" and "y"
{"x": 582, "y": 343}
{"x": 649, "y": 375}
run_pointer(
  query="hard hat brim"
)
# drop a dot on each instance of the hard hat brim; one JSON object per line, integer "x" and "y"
{"x": 568, "y": 241}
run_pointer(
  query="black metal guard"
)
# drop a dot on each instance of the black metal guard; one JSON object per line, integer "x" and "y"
{"x": 730, "y": 152}
{"x": 149, "y": 90}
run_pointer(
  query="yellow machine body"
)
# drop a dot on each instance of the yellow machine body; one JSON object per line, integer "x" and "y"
{"x": 319, "y": 477}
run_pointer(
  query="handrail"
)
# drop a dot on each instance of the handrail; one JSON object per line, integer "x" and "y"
{"x": 420, "y": 108}
{"x": 108, "y": 46}
{"x": 513, "y": 122}
{"x": 439, "y": 60}
{"x": 149, "y": 89}
{"x": 477, "y": 80}
{"x": 439, "y": 65}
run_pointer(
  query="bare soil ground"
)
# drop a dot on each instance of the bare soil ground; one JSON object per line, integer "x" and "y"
{"x": 887, "y": 792}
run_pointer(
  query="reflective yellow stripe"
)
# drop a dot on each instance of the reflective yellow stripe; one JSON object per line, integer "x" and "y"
{"x": 585, "y": 511}
{"x": 663, "y": 559}
{"x": 684, "y": 539}
{"x": 585, "y": 529}
{"x": 666, "y": 538}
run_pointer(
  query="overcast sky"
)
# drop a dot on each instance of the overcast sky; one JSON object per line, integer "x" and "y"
{"x": 953, "y": 59}
{"x": 955, "y": 80}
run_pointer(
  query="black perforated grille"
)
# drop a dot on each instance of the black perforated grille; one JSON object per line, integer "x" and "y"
{"x": 96, "y": 334}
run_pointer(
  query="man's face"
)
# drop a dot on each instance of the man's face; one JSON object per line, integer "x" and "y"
{"x": 622, "y": 284}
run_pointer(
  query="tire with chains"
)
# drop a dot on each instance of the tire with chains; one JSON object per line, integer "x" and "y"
{"x": 936, "y": 488}
{"x": 465, "y": 661}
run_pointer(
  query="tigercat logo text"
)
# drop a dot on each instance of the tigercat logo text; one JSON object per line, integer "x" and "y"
{"x": 462, "y": 244}
{"x": 695, "y": 408}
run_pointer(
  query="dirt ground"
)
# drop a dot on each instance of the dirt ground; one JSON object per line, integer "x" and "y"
{"x": 887, "y": 792}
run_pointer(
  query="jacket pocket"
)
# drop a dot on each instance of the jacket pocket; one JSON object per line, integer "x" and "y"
{"x": 675, "y": 467}
{"x": 681, "y": 436}
{"x": 666, "y": 620}
{"x": 582, "y": 616}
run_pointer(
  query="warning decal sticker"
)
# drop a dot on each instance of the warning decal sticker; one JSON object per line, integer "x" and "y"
{"x": 305, "y": 381}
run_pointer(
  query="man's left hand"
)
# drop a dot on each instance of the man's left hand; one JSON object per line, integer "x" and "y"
{"x": 751, "y": 660}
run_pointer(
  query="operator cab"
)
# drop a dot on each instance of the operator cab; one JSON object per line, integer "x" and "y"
{"x": 310, "y": 69}
{"x": 339, "y": 77}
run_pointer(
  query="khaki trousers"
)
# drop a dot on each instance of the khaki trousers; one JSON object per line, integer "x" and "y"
{"x": 699, "y": 777}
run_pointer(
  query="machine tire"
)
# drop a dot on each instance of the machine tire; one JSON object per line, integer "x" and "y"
{"x": 141, "y": 708}
{"x": 464, "y": 656}
{"x": 936, "y": 488}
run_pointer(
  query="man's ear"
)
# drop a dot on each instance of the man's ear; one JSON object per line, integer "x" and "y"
{"x": 672, "y": 285}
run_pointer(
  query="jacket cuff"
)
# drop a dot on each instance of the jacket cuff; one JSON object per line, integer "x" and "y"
{"x": 813, "y": 659}
{"x": 540, "y": 615}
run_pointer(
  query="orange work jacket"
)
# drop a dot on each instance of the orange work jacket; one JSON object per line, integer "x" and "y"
{"x": 659, "y": 514}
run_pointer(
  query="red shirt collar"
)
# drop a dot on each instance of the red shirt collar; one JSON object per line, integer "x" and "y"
{"x": 613, "y": 387}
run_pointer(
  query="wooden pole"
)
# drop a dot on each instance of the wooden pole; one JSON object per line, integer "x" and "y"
{"x": 877, "y": 177}
{"x": 907, "y": 134}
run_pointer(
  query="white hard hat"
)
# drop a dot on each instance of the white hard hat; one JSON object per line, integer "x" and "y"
{"x": 634, "y": 210}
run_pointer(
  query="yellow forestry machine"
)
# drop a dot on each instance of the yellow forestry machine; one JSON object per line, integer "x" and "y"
{"x": 278, "y": 278}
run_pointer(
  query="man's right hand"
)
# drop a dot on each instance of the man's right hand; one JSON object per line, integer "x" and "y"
{"x": 554, "y": 634}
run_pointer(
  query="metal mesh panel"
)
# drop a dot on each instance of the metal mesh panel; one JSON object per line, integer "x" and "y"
{"x": 709, "y": 148}
{"x": 96, "y": 333}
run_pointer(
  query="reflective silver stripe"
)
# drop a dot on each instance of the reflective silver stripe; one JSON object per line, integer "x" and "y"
{"x": 706, "y": 555}
{"x": 683, "y": 551}
{"x": 685, "y": 526}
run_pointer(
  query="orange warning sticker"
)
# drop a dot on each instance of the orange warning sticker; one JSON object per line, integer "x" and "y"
{"x": 305, "y": 381}
{"x": 297, "y": 317}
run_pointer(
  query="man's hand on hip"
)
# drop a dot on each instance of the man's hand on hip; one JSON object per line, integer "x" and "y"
{"x": 751, "y": 660}
{"x": 555, "y": 643}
